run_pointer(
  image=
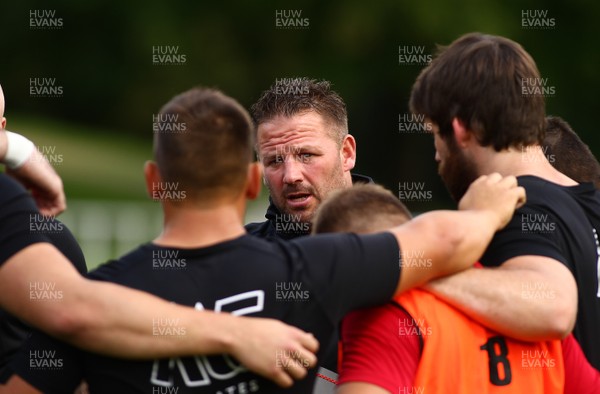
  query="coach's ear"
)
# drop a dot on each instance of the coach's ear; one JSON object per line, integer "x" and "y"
{"x": 348, "y": 153}
{"x": 152, "y": 177}
{"x": 253, "y": 180}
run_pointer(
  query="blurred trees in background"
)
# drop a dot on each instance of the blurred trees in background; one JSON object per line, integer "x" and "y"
{"x": 103, "y": 58}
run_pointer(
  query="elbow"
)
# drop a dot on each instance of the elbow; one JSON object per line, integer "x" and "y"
{"x": 69, "y": 323}
{"x": 561, "y": 320}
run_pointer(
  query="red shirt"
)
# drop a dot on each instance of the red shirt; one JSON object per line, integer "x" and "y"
{"x": 376, "y": 353}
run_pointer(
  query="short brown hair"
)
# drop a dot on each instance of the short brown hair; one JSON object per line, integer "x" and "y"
{"x": 210, "y": 157}
{"x": 479, "y": 79}
{"x": 568, "y": 153}
{"x": 293, "y": 96}
{"x": 363, "y": 208}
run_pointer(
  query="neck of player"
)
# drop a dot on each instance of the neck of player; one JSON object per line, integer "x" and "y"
{"x": 187, "y": 226}
{"x": 518, "y": 162}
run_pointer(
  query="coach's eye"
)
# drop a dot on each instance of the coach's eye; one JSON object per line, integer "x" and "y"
{"x": 274, "y": 160}
{"x": 305, "y": 156}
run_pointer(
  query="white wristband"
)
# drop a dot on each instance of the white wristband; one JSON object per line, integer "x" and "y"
{"x": 18, "y": 150}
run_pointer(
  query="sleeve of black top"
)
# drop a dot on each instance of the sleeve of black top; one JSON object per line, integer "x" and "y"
{"x": 66, "y": 243}
{"x": 527, "y": 234}
{"x": 49, "y": 365}
{"x": 349, "y": 271}
{"x": 16, "y": 210}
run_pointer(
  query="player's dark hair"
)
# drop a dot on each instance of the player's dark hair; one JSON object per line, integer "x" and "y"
{"x": 568, "y": 153}
{"x": 488, "y": 82}
{"x": 210, "y": 153}
{"x": 293, "y": 96}
{"x": 363, "y": 208}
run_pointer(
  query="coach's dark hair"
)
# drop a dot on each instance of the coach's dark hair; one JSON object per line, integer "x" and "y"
{"x": 363, "y": 208}
{"x": 568, "y": 153}
{"x": 210, "y": 154}
{"x": 483, "y": 80}
{"x": 293, "y": 96}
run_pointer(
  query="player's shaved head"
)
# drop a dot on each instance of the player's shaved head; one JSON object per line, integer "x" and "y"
{"x": 363, "y": 208}
{"x": 568, "y": 153}
{"x": 210, "y": 154}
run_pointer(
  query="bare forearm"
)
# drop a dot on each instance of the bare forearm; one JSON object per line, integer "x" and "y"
{"x": 145, "y": 326}
{"x": 450, "y": 241}
{"x": 461, "y": 238}
{"x": 442, "y": 243}
{"x": 118, "y": 321}
{"x": 49, "y": 293}
{"x": 522, "y": 303}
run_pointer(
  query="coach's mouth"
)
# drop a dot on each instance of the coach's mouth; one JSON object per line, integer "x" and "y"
{"x": 298, "y": 200}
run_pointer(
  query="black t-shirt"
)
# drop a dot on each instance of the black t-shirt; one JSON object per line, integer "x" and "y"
{"x": 22, "y": 225}
{"x": 560, "y": 223}
{"x": 311, "y": 283}
{"x": 15, "y": 204}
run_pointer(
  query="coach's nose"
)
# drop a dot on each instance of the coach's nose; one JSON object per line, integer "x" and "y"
{"x": 292, "y": 172}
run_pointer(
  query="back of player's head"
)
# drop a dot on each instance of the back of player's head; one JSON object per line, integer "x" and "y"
{"x": 568, "y": 153}
{"x": 294, "y": 96}
{"x": 488, "y": 82}
{"x": 363, "y": 208}
{"x": 209, "y": 155}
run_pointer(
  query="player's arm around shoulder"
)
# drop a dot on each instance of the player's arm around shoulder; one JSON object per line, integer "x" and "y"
{"x": 451, "y": 241}
{"x": 531, "y": 295}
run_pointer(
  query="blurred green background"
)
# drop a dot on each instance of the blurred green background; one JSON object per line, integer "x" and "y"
{"x": 99, "y": 129}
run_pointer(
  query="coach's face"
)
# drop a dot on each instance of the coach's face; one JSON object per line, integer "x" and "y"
{"x": 303, "y": 162}
{"x": 455, "y": 169}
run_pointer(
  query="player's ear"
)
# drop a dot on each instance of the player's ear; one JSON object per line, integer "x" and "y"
{"x": 152, "y": 176}
{"x": 462, "y": 135}
{"x": 348, "y": 152}
{"x": 253, "y": 180}
{"x": 3, "y": 123}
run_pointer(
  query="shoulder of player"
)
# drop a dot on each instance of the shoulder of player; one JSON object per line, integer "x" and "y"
{"x": 259, "y": 229}
{"x": 10, "y": 189}
{"x": 112, "y": 270}
{"x": 542, "y": 191}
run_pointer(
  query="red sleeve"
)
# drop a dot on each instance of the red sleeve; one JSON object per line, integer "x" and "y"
{"x": 580, "y": 376}
{"x": 381, "y": 346}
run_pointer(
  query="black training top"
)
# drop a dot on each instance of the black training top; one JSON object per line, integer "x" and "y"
{"x": 15, "y": 205}
{"x": 311, "y": 283}
{"x": 561, "y": 223}
{"x": 21, "y": 225}
{"x": 282, "y": 226}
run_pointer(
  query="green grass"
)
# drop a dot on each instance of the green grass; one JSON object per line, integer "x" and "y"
{"x": 96, "y": 163}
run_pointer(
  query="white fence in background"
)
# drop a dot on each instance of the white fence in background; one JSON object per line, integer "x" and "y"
{"x": 107, "y": 229}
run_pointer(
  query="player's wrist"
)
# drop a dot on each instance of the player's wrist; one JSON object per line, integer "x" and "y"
{"x": 18, "y": 150}
{"x": 228, "y": 333}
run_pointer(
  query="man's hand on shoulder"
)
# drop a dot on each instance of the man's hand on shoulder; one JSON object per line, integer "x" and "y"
{"x": 496, "y": 195}
{"x": 274, "y": 350}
